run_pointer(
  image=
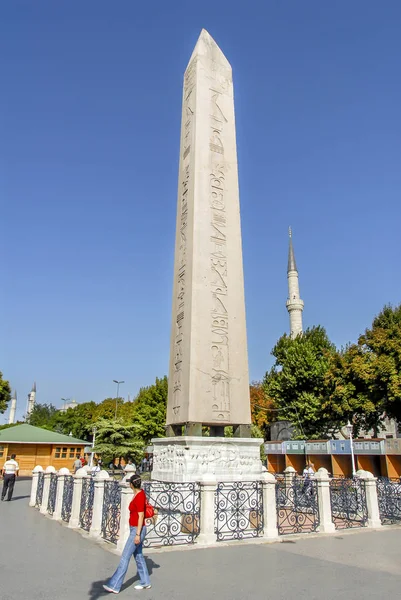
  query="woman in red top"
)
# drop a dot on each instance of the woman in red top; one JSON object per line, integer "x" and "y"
{"x": 134, "y": 542}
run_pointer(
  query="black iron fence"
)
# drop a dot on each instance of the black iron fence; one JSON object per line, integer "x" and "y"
{"x": 111, "y": 511}
{"x": 238, "y": 510}
{"x": 177, "y": 513}
{"x": 348, "y": 503}
{"x": 297, "y": 505}
{"x": 389, "y": 498}
{"x": 39, "y": 490}
{"x": 86, "y": 508}
{"x": 68, "y": 491}
{"x": 51, "y": 503}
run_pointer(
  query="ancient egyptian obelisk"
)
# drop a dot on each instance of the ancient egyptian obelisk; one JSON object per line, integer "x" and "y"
{"x": 208, "y": 374}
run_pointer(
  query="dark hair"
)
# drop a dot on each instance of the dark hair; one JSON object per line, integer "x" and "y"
{"x": 136, "y": 481}
{"x": 13, "y": 456}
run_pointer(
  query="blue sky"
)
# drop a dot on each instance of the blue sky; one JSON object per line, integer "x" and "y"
{"x": 89, "y": 121}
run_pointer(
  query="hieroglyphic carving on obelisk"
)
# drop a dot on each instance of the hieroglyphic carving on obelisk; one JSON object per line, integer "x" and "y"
{"x": 208, "y": 377}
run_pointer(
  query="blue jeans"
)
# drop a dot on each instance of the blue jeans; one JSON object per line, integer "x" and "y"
{"x": 130, "y": 549}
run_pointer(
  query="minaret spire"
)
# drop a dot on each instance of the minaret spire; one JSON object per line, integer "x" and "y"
{"x": 31, "y": 400}
{"x": 294, "y": 303}
{"x": 13, "y": 407}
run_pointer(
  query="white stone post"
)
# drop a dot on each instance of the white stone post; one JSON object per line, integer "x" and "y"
{"x": 76, "y": 498}
{"x": 34, "y": 487}
{"x": 207, "y": 534}
{"x": 96, "y": 526}
{"x": 46, "y": 489}
{"x": 323, "y": 496}
{"x": 270, "y": 530}
{"x": 372, "y": 501}
{"x": 126, "y": 496}
{"x": 59, "y": 494}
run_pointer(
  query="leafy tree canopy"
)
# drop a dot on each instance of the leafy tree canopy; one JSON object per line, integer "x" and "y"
{"x": 115, "y": 439}
{"x": 365, "y": 377}
{"x": 261, "y": 408}
{"x": 5, "y": 393}
{"x": 297, "y": 385}
{"x": 150, "y": 409}
{"x": 42, "y": 415}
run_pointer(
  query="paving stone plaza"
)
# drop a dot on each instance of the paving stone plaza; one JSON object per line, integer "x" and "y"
{"x": 44, "y": 560}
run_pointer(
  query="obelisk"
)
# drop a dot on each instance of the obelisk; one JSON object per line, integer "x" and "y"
{"x": 208, "y": 373}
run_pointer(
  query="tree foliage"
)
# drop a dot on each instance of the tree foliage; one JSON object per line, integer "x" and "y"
{"x": 115, "y": 439}
{"x": 365, "y": 377}
{"x": 297, "y": 383}
{"x": 42, "y": 415}
{"x": 261, "y": 407}
{"x": 150, "y": 409}
{"x": 5, "y": 393}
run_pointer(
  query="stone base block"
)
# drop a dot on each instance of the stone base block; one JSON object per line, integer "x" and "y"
{"x": 190, "y": 458}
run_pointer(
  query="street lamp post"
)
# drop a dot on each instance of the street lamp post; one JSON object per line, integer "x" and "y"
{"x": 93, "y": 444}
{"x": 118, "y": 389}
{"x": 349, "y": 429}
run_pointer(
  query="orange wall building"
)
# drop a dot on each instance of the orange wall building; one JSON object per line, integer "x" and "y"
{"x": 36, "y": 446}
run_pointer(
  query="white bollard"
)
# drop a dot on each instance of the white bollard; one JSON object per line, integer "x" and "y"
{"x": 46, "y": 489}
{"x": 323, "y": 495}
{"x": 97, "y": 513}
{"x": 126, "y": 496}
{"x": 60, "y": 492}
{"x": 76, "y": 498}
{"x": 207, "y": 534}
{"x": 34, "y": 487}
{"x": 372, "y": 501}
{"x": 270, "y": 530}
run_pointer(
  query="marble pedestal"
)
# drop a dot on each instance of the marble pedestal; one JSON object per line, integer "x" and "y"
{"x": 190, "y": 458}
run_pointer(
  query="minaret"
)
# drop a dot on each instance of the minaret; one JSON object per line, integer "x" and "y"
{"x": 294, "y": 303}
{"x": 13, "y": 408}
{"x": 31, "y": 400}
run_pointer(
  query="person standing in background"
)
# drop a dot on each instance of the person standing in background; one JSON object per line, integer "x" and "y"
{"x": 10, "y": 472}
{"x": 77, "y": 464}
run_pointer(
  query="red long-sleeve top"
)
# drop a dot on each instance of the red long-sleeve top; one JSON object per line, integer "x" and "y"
{"x": 136, "y": 506}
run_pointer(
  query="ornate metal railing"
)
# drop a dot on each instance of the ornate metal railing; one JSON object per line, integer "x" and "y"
{"x": 86, "y": 508}
{"x": 111, "y": 511}
{"x": 177, "y": 513}
{"x": 238, "y": 510}
{"x": 389, "y": 498}
{"x": 297, "y": 505}
{"x": 51, "y": 504}
{"x": 348, "y": 503}
{"x": 39, "y": 490}
{"x": 67, "y": 497}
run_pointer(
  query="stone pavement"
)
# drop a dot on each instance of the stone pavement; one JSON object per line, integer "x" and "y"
{"x": 43, "y": 560}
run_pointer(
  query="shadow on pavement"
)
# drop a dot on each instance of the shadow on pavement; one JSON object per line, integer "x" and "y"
{"x": 19, "y": 498}
{"x": 97, "y": 590}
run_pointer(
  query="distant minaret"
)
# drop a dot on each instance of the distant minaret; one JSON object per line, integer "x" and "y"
{"x": 294, "y": 303}
{"x": 13, "y": 408}
{"x": 31, "y": 400}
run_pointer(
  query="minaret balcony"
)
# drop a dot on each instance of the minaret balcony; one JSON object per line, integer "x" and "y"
{"x": 295, "y": 304}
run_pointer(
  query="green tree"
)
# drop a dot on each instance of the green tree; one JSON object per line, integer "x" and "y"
{"x": 115, "y": 439}
{"x": 150, "y": 409}
{"x": 297, "y": 382}
{"x": 42, "y": 415}
{"x": 261, "y": 407}
{"x": 5, "y": 393}
{"x": 79, "y": 421}
{"x": 365, "y": 378}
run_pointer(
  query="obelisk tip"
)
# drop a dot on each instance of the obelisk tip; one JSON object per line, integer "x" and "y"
{"x": 206, "y": 46}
